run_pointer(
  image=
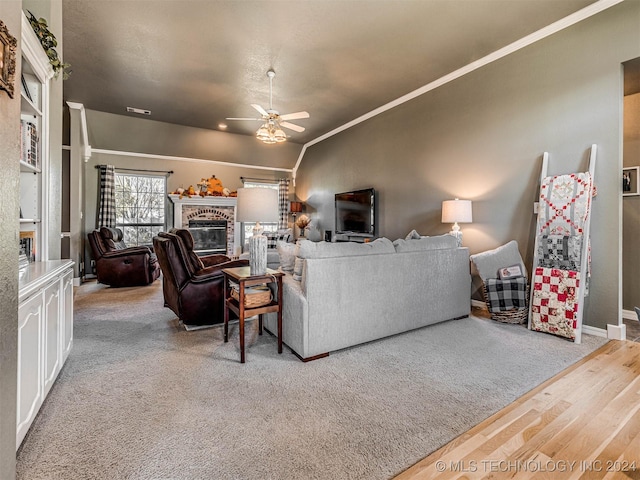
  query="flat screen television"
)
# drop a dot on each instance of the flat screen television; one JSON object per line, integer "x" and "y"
{"x": 355, "y": 212}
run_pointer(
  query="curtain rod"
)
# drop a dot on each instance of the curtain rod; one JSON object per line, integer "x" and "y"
{"x": 265, "y": 180}
{"x": 141, "y": 170}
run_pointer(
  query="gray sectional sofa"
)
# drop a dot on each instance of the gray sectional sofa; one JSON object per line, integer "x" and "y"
{"x": 350, "y": 293}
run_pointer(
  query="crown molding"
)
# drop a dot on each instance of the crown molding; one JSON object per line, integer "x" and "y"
{"x": 541, "y": 34}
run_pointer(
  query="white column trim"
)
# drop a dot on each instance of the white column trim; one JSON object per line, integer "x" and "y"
{"x": 86, "y": 148}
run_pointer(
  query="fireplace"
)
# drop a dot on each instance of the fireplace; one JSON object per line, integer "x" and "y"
{"x": 221, "y": 236}
{"x": 209, "y": 236}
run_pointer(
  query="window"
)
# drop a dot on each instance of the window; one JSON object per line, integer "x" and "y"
{"x": 248, "y": 226}
{"x": 140, "y": 206}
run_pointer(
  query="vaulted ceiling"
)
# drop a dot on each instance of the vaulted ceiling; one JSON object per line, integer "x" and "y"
{"x": 196, "y": 62}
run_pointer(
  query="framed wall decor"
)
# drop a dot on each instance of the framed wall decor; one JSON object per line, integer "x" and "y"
{"x": 8, "y": 45}
{"x": 630, "y": 183}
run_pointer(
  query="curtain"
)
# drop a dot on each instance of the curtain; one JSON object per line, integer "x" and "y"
{"x": 107, "y": 206}
{"x": 283, "y": 203}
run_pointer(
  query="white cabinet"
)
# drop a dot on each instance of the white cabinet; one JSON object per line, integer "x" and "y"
{"x": 45, "y": 335}
{"x": 67, "y": 316}
{"x": 52, "y": 323}
{"x": 30, "y": 386}
{"x": 45, "y": 312}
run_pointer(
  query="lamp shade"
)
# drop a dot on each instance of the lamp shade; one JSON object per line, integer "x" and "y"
{"x": 257, "y": 205}
{"x": 456, "y": 211}
{"x": 296, "y": 207}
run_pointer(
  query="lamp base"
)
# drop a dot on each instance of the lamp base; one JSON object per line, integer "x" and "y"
{"x": 456, "y": 232}
{"x": 258, "y": 255}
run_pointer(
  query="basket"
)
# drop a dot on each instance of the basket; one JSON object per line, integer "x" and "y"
{"x": 515, "y": 315}
{"x": 254, "y": 297}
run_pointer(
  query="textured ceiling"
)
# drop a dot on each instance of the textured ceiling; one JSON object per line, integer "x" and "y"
{"x": 197, "y": 62}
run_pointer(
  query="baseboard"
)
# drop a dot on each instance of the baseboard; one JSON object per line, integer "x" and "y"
{"x": 629, "y": 315}
{"x": 77, "y": 281}
{"x": 615, "y": 332}
{"x": 595, "y": 331}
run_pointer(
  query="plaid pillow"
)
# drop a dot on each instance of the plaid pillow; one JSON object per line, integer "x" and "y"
{"x": 505, "y": 295}
{"x": 272, "y": 239}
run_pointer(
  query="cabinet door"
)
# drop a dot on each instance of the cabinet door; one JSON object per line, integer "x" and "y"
{"x": 67, "y": 314}
{"x": 52, "y": 332}
{"x": 30, "y": 383}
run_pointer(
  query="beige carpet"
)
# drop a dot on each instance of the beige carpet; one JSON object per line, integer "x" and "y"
{"x": 140, "y": 398}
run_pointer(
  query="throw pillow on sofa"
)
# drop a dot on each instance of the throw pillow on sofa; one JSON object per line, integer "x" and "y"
{"x": 425, "y": 243}
{"x": 297, "y": 269}
{"x": 287, "y": 254}
{"x": 413, "y": 235}
{"x": 274, "y": 237}
{"x": 309, "y": 249}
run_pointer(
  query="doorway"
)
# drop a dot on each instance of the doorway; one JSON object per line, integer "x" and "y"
{"x": 631, "y": 199}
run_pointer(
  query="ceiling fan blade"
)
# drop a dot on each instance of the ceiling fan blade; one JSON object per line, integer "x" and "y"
{"x": 261, "y": 110}
{"x": 292, "y": 126}
{"x": 242, "y": 118}
{"x": 294, "y": 116}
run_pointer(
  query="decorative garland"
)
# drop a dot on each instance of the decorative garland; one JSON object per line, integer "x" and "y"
{"x": 49, "y": 42}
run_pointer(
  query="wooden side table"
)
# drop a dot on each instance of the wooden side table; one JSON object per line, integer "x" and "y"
{"x": 243, "y": 277}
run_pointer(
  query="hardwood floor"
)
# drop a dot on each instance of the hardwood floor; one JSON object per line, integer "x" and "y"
{"x": 584, "y": 423}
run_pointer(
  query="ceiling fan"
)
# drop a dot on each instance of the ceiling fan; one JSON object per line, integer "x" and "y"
{"x": 271, "y": 131}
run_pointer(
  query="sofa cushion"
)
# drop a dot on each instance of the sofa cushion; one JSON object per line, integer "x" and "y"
{"x": 425, "y": 243}
{"x": 310, "y": 249}
{"x": 287, "y": 253}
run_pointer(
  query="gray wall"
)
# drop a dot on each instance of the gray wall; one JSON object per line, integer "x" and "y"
{"x": 481, "y": 137}
{"x": 114, "y": 132}
{"x": 631, "y": 208}
{"x": 140, "y": 134}
{"x": 10, "y": 12}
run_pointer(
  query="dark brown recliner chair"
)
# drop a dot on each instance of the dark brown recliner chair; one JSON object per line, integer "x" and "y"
{"x": 193, "y": 286}
{"x": 118, "y": 265}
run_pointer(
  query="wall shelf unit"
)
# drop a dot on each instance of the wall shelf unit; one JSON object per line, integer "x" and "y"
{"x": 34, "y": 140}
{"x": 45, "y": 300}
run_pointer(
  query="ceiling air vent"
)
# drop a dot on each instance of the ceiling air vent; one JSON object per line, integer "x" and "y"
{"x": 138, "y": 110}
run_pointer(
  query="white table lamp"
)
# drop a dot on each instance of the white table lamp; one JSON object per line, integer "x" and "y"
{"x": 257, "y": 205}
{"x": 456, "y": 211}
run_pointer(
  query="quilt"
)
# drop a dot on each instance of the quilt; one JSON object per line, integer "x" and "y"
{"x": 565, "y": 201}
{"x": 560, "y": 251}
{"x": 506, "y": 294}
{"x": 554, "y": 307}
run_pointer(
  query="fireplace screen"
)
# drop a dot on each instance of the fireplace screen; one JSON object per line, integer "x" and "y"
{"x": 209, "y": 236}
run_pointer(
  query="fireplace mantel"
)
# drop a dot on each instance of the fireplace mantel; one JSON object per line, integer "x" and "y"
{"x": 226, "y": 204}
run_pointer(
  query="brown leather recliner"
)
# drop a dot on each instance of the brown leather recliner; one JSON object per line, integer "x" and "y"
{"x": 118, "y": 265}
{"x": 193, "y": 286}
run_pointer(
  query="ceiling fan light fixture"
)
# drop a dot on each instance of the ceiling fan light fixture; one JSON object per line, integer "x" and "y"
{"x": 263, "y": 132}
{"x": 270, "y": 133}
{"x": 271, "y": 130}
{"x": 279, "y": 135}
